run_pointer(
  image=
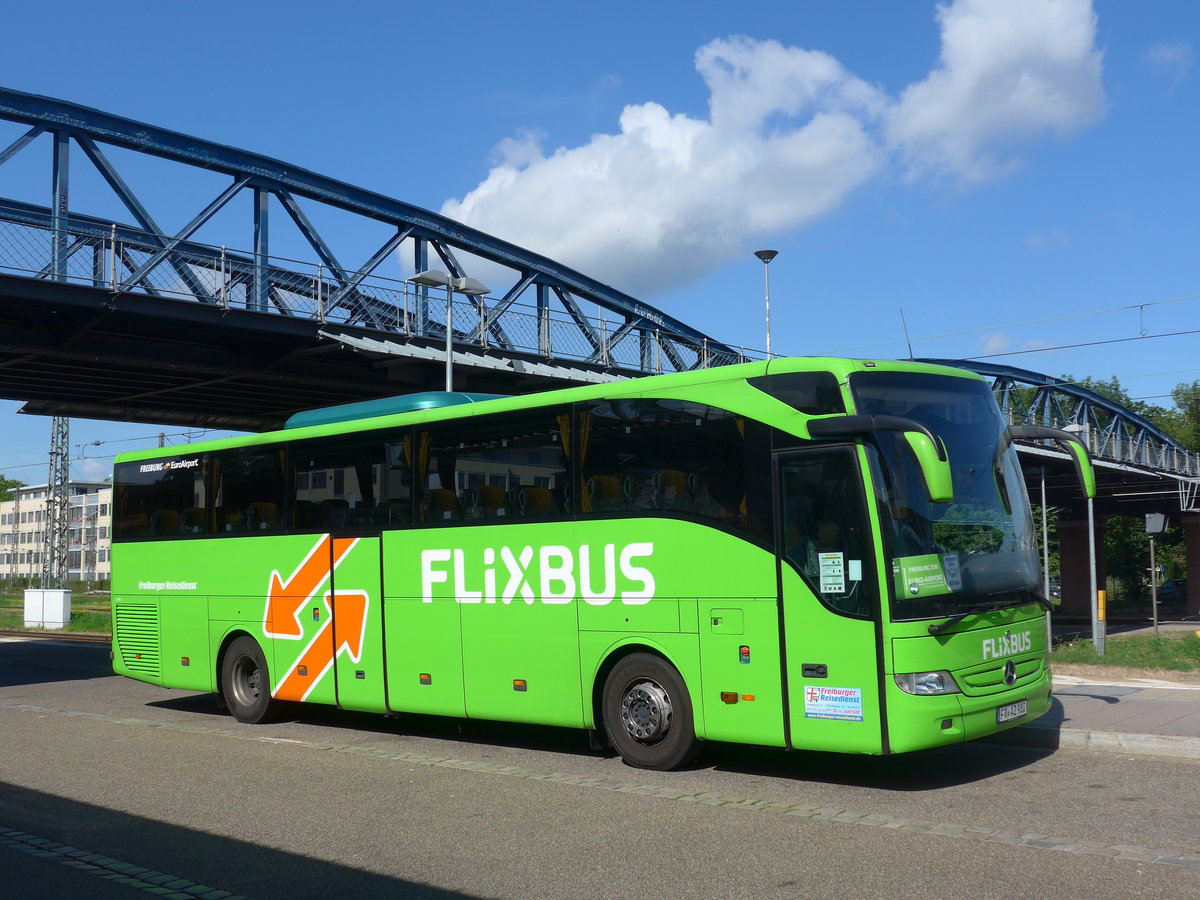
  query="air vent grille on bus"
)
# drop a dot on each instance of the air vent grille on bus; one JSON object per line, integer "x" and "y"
{"x": 136, "y": 626}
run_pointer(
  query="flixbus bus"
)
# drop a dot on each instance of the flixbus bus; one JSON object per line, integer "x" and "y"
{"x": 805, "y": 553}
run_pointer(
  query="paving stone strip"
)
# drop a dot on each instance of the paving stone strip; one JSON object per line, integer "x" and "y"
{"x": 160, "y": 884}
{"x": 1030, "y": 840}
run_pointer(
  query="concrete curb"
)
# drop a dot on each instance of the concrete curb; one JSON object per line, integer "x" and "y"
{"x": 1050, "y": 738}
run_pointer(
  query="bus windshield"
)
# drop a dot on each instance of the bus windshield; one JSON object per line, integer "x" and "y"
{"x": 977, "y": 551}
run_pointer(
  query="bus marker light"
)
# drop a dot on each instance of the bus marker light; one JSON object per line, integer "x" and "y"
{"x": 519, "y": 684}
{"x": 316, "y": 614}
{"x": 729, "y": 697}
{"x": 184, "y": 661}
{"x": 748, "y": 697}
{"x": 360, "y": 674}
{"x": 744, "y": 654}
{"x": 426, "y": 678}
{"x": 302, "y": 670}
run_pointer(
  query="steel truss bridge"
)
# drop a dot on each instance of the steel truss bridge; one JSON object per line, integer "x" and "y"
{"x": 537, "y": 329}
{"x": 116, "y": 317}
{"x": 1138, "y": 464}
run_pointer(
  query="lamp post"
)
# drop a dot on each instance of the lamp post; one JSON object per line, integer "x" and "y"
{"x": 766, "y": 256}
{"x": 463, "y": 285}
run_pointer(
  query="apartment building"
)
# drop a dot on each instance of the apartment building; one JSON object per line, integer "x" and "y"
{"x": 23, "y": 531}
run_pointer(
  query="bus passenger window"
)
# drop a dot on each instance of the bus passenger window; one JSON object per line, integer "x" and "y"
{"x": 510, "y": 465}
{"x": 248, "y": 489}
{"x": 674, "y": 458}
{"x": 163, "y": 498}
{"x": 353, "y": 482}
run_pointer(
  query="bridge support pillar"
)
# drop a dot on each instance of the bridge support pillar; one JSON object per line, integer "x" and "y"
{"x": 1073, "y": 562}
{"x": 1191, "y": 533}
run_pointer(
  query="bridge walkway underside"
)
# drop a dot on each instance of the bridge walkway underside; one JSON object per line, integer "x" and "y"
{"x": 86, "y": 352}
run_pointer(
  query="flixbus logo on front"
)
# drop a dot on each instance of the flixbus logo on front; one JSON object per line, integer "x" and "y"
{"x": 1008, "y": 644}
{"x": 553, "y": 574}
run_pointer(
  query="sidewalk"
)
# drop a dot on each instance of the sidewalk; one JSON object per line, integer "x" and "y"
{"x": 1136, "y": 716}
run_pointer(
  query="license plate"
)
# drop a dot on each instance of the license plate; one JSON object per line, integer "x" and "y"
{"x": 1010, "y": 712}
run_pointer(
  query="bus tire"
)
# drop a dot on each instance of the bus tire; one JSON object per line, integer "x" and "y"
{"x": 246, "y": 682}
{"x": 648, "y": 713}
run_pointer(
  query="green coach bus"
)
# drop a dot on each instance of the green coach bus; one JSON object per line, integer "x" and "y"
{"x": 817, "y": 554}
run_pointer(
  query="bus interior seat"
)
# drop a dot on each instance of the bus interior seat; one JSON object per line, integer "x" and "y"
{"x": 672, "y": 488}
{"x": 491, "y": 500}
{"x": 231, "y": 519}
{"x": 262, "y": 516}
{"x": 439, "y": 503}
{"x": 192, "y": 521}
{"x": 532, "y": 501}
{"x": 604, "y": 492}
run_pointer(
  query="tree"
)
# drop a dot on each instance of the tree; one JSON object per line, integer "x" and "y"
{"x": 6, "y": 487}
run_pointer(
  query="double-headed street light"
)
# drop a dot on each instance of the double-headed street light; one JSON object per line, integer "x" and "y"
{"x": 766, "y": 256}
{"x": 468, "y": 286}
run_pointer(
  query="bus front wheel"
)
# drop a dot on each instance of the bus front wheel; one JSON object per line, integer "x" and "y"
{"x": 648, "y": 714}
{"x": 246, "y": 682}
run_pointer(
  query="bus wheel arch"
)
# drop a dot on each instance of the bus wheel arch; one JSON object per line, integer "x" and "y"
{"x": 645, "y": 709}
{"x": 244, "y": 679}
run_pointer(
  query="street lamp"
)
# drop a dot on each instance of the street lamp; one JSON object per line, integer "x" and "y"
{"x": 469, "y": 286}
{"x": 766, "y": 256}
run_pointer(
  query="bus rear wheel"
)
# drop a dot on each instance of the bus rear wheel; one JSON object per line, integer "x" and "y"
{"x": 246, "y": 682}
{"x": 648, "y": 714}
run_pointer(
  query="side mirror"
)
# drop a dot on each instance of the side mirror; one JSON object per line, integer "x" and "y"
{"x": 926, "y": 447}
{"x": 1068, "y": 442}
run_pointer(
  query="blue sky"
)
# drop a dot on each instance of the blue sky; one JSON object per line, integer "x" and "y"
{"x": 1003, "y": 171}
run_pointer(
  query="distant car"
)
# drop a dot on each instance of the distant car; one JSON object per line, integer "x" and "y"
{"x": 1055, "y": 591}
{"x": 1173, "y": 592}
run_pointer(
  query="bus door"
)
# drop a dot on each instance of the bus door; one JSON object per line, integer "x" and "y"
{"x": 830, "y": 598}
{"x": 356, "y": 601}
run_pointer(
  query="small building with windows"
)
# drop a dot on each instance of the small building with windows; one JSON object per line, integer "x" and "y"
{"x": 23, "y": 533}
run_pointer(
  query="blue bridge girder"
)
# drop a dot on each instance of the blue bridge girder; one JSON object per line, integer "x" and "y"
{"x": 59, "y": 243}
{"x": 1111, "y": 431}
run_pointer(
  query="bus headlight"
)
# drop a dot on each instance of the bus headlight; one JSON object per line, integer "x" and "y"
{"x": 927, "y": 683}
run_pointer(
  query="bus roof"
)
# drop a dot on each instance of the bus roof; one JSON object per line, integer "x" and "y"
{"x": 431, "y": 406}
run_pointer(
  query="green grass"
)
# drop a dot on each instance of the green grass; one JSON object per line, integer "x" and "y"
{"x": 1177, "y": 652}
{"x": 87, "y": 614}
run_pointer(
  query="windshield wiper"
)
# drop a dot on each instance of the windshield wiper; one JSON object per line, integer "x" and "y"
{"x": 953, "y": 620}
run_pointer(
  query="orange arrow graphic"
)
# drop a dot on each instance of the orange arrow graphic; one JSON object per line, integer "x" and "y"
{"x": 349, "y": 621}
{"x": 281, "y": 618}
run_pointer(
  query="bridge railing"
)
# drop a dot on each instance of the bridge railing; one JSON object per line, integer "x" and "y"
{"x": 122, "y": 259}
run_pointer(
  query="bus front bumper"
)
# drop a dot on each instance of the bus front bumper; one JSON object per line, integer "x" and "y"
{"x": 921, "y": 722}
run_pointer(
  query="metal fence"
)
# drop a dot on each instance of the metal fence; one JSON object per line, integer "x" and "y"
{"x": 121, "y": 259}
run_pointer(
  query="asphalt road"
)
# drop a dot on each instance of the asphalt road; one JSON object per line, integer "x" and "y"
{"x": 109, "y": 788}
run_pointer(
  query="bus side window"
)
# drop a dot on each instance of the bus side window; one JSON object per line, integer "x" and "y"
{"x": 353, "y": 482}
{"x": 248, "y": 489}
{"x": 161, "y": 499}
{"x": 509, "y": 465}
{"x": 673, "y": 458}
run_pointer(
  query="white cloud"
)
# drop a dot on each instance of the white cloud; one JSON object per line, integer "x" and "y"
{"x": 1046, "y": 240}
{"x": 993, "y": 344}
{"x": 1172, "y": 60}
{"x": 92, "y": 470}
{"x": 1011, "y": 71}
{"x": 789, "y": 135}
